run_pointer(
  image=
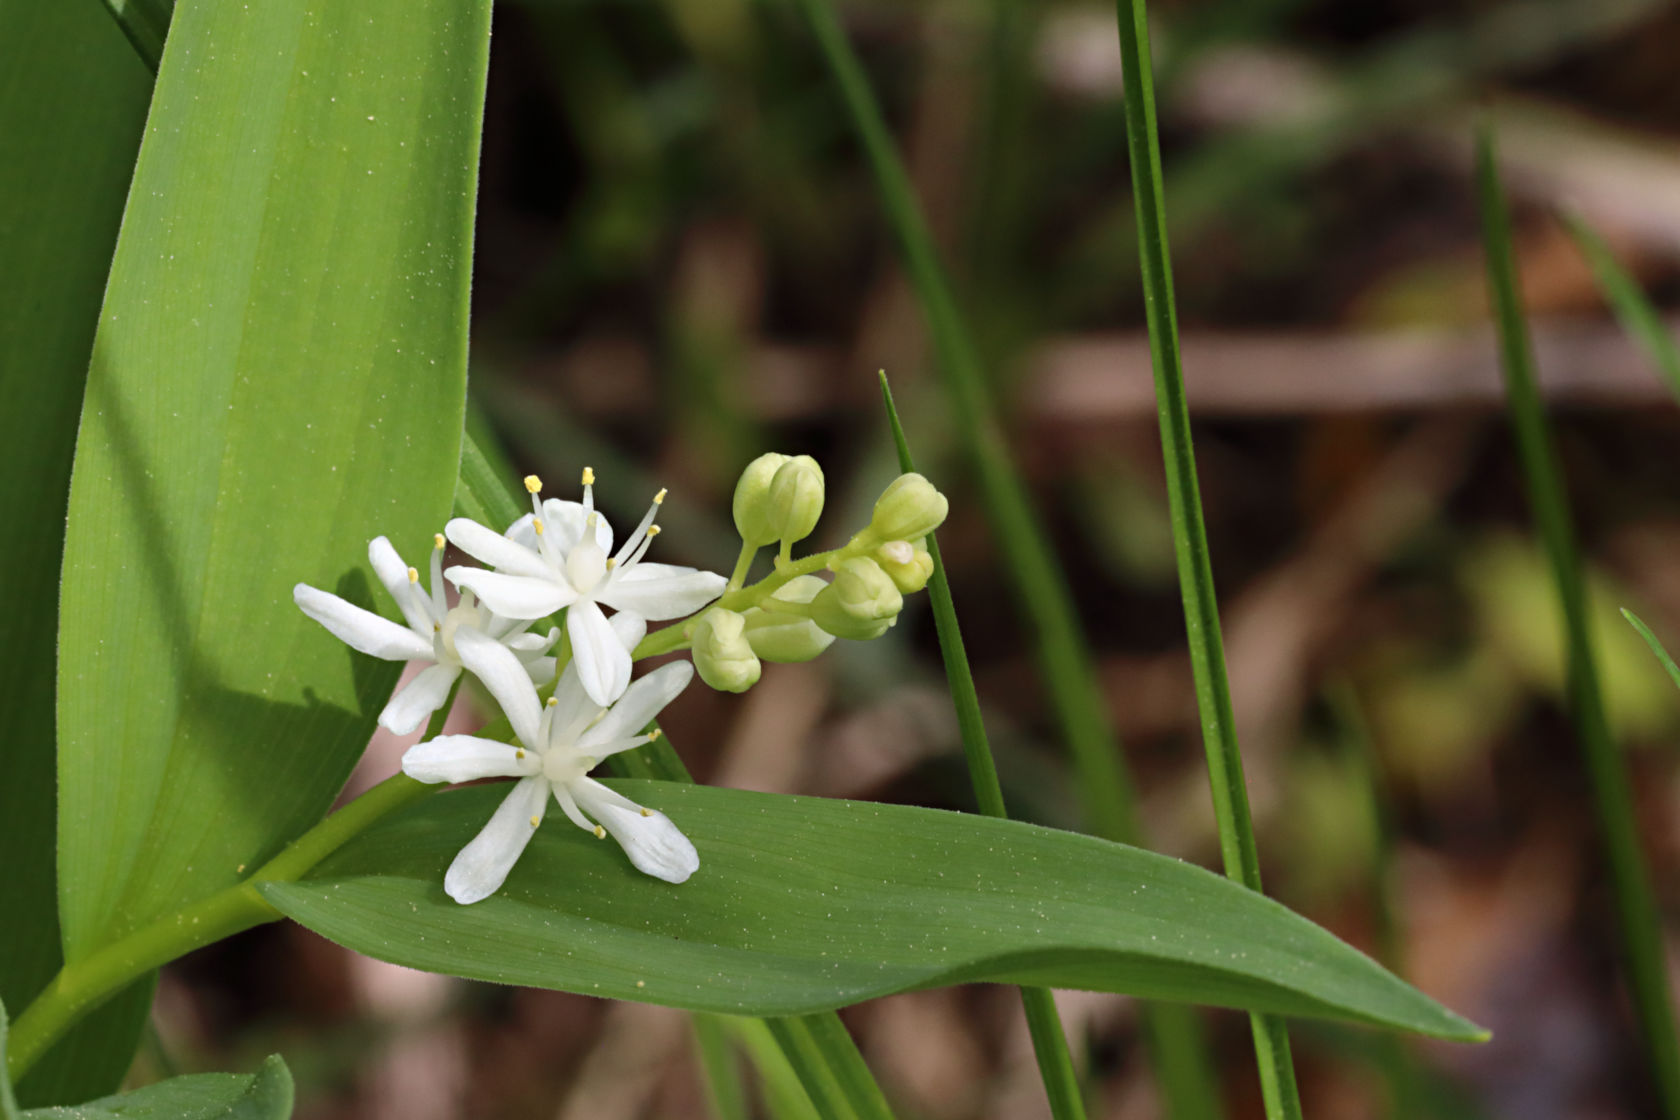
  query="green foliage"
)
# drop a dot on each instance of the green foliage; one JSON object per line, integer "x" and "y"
{"x": 1656, "y": 646}
{"x": 269, "y": 388}
{"x": 1640, "y": 924}
{"x": 264, "y": 1095}
{"x": 803, "y": 904}
{"x": 1637, "y": 316}
{"x": 72, "y": 106}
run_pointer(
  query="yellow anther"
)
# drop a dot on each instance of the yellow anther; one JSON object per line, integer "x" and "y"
{"x": 593, "y": 518}
{"x": 436, "y": 626}
{"x": 600, "y": 833}
{"x": 536, "y": 523}
{"x": 518, "y": 754}
{"x": 553, "y": 701}
{"x": 612, "y": 562}
{"x": 654, "y": 734}
{"x": 589, "y": 476}
{"x": 414, "y": 575}
{"x": 535, "y": 821}
{"x": 645, "y": 813}
{"x": 641, "y": 983}
{"x": 533, "y": 483}
{"x": 659, "y": 498}
{"x": 437, "y": 540}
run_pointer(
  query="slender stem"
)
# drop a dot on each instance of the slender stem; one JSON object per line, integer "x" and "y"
{"x": 81, "y": 987}
{"x": 1656, "y": 645}
{"x": 1640, "y": 924}
{"x": 1050, "y": 1045}
{"x": 1195, "y": 570}
{"x": 742, "y": 564}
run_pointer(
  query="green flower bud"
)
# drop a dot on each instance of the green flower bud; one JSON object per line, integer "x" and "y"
{"x": 722, "y": 655}
{"x": 777, "y": 636}
{"x": 908, "y": 509}
{"x": 909, "y": 565}
{"x": 796, "y": 498}
{"x": 754, "y": 518}
{"x": 861, "y": 602}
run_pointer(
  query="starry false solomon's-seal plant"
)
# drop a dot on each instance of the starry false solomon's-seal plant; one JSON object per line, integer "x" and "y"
{"x": 559, "y": 558}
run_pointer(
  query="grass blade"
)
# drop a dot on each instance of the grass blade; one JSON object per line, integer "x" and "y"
{"x": 784, "y": 1095}
{"x": 1635, "y": 312}
{"x": 1055, "y": 1063}
{"x": 1195, "y": 572}
{"x": 145, "y": 23}
{"x": 1636, "y": 909}
{"x": 720, "y": 1074}
{"x": 1065, "y": 665}
{"x": 1656, "y": 645}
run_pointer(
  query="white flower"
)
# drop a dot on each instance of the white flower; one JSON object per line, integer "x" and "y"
{"x": 431, "y": 634}
{"x": 558, "y": 745}
{"x": 558, "y": 556}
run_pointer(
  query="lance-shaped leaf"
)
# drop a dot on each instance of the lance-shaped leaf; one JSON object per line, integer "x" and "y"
{"x": 803, "y": 904}
{"x": 264, "y": 1095}
{"x": 277, "y": 377}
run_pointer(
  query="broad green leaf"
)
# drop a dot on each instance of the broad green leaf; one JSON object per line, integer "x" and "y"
{"x": 145, "y": 23}
{"x": 264, "y": 1095}
{"x": 804, "y": 904}
{"x": 278, "y": 376}
{"x": 72, "y": 105}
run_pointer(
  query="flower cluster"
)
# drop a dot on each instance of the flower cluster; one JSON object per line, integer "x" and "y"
{"x": 572, "y": 703}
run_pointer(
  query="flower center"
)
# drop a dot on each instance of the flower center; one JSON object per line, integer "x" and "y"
{"x": 564, "y": 766}
{"x": 586, "y": 563}
{"x": 458, "y": 616}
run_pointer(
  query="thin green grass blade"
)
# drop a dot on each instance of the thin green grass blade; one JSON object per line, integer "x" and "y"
{"x": 1630, "y": 304}
{"x": 1655, "y": 644}
{"x": 1636, "y": 909}
{"x": 1050, "y": 1047}
{"x": 1195, "y": 570}
{"x": 726, "y": 1095}
{"x": 835, "y": 1059}
{"x": 784, "y": 1097}
{"x": 1104, "y": 788}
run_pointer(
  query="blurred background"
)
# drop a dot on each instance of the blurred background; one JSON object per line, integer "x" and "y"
{"x": 682, "y": 263}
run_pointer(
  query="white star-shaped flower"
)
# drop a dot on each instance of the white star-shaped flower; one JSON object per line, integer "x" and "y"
{"x": 560, "y": 555}
{"x": 431, "y": 634}
{"x": 558, "y": 745}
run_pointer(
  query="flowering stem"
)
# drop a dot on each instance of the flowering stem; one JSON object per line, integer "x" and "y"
{"x": 83, "y": 986}
{"x": 742, "y": 563}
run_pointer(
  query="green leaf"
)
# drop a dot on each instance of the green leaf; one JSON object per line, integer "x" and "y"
{"x": 803, "y": 904}
{"x": 1632, "y": 308}
{"x": 1639, "y": 918}
{"x": 72, "y": 106}
{"x": 145, "y": 23}
{"x": 278, "y": 376}
{"x": 1656, "y": 645}
{"x": 264, "y": 1095}
{"x": 8, "y": 1103}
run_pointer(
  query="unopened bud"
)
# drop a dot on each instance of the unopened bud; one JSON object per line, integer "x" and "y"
{"x": 909, "y": 565}
{"x": 722, "y": 655}
{"x": 796, "y": 498}
{"x": 861, "y": 602}
{"x": 782, "y": 637}
{"x": 753, "y": 514}
{"x": 908, "y": 509}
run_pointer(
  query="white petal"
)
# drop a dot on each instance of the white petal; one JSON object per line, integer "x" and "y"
{"x": 528, "y": 642}
{"x": 603, "y": 664}
{"x": 513, "y": 596}
{"x": 655, "y": 845}
{"x": 660, "y": 591}
{"x": 541, "y": 669}
{"x": 520, "y": 532}
{"x": 641, "y": 702}
{"x": 483, "y": 865}
{"x": 418, "y": 699}
{"x": 393, "y": 573}
{"x": 466, "y": 758}
{"x": 359, "y": 629}
{"x": 630, "y": 627}
{"x": 566, "y": 520}
{"x": 500, "y": 671}
{"x": 490, "y": 547}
